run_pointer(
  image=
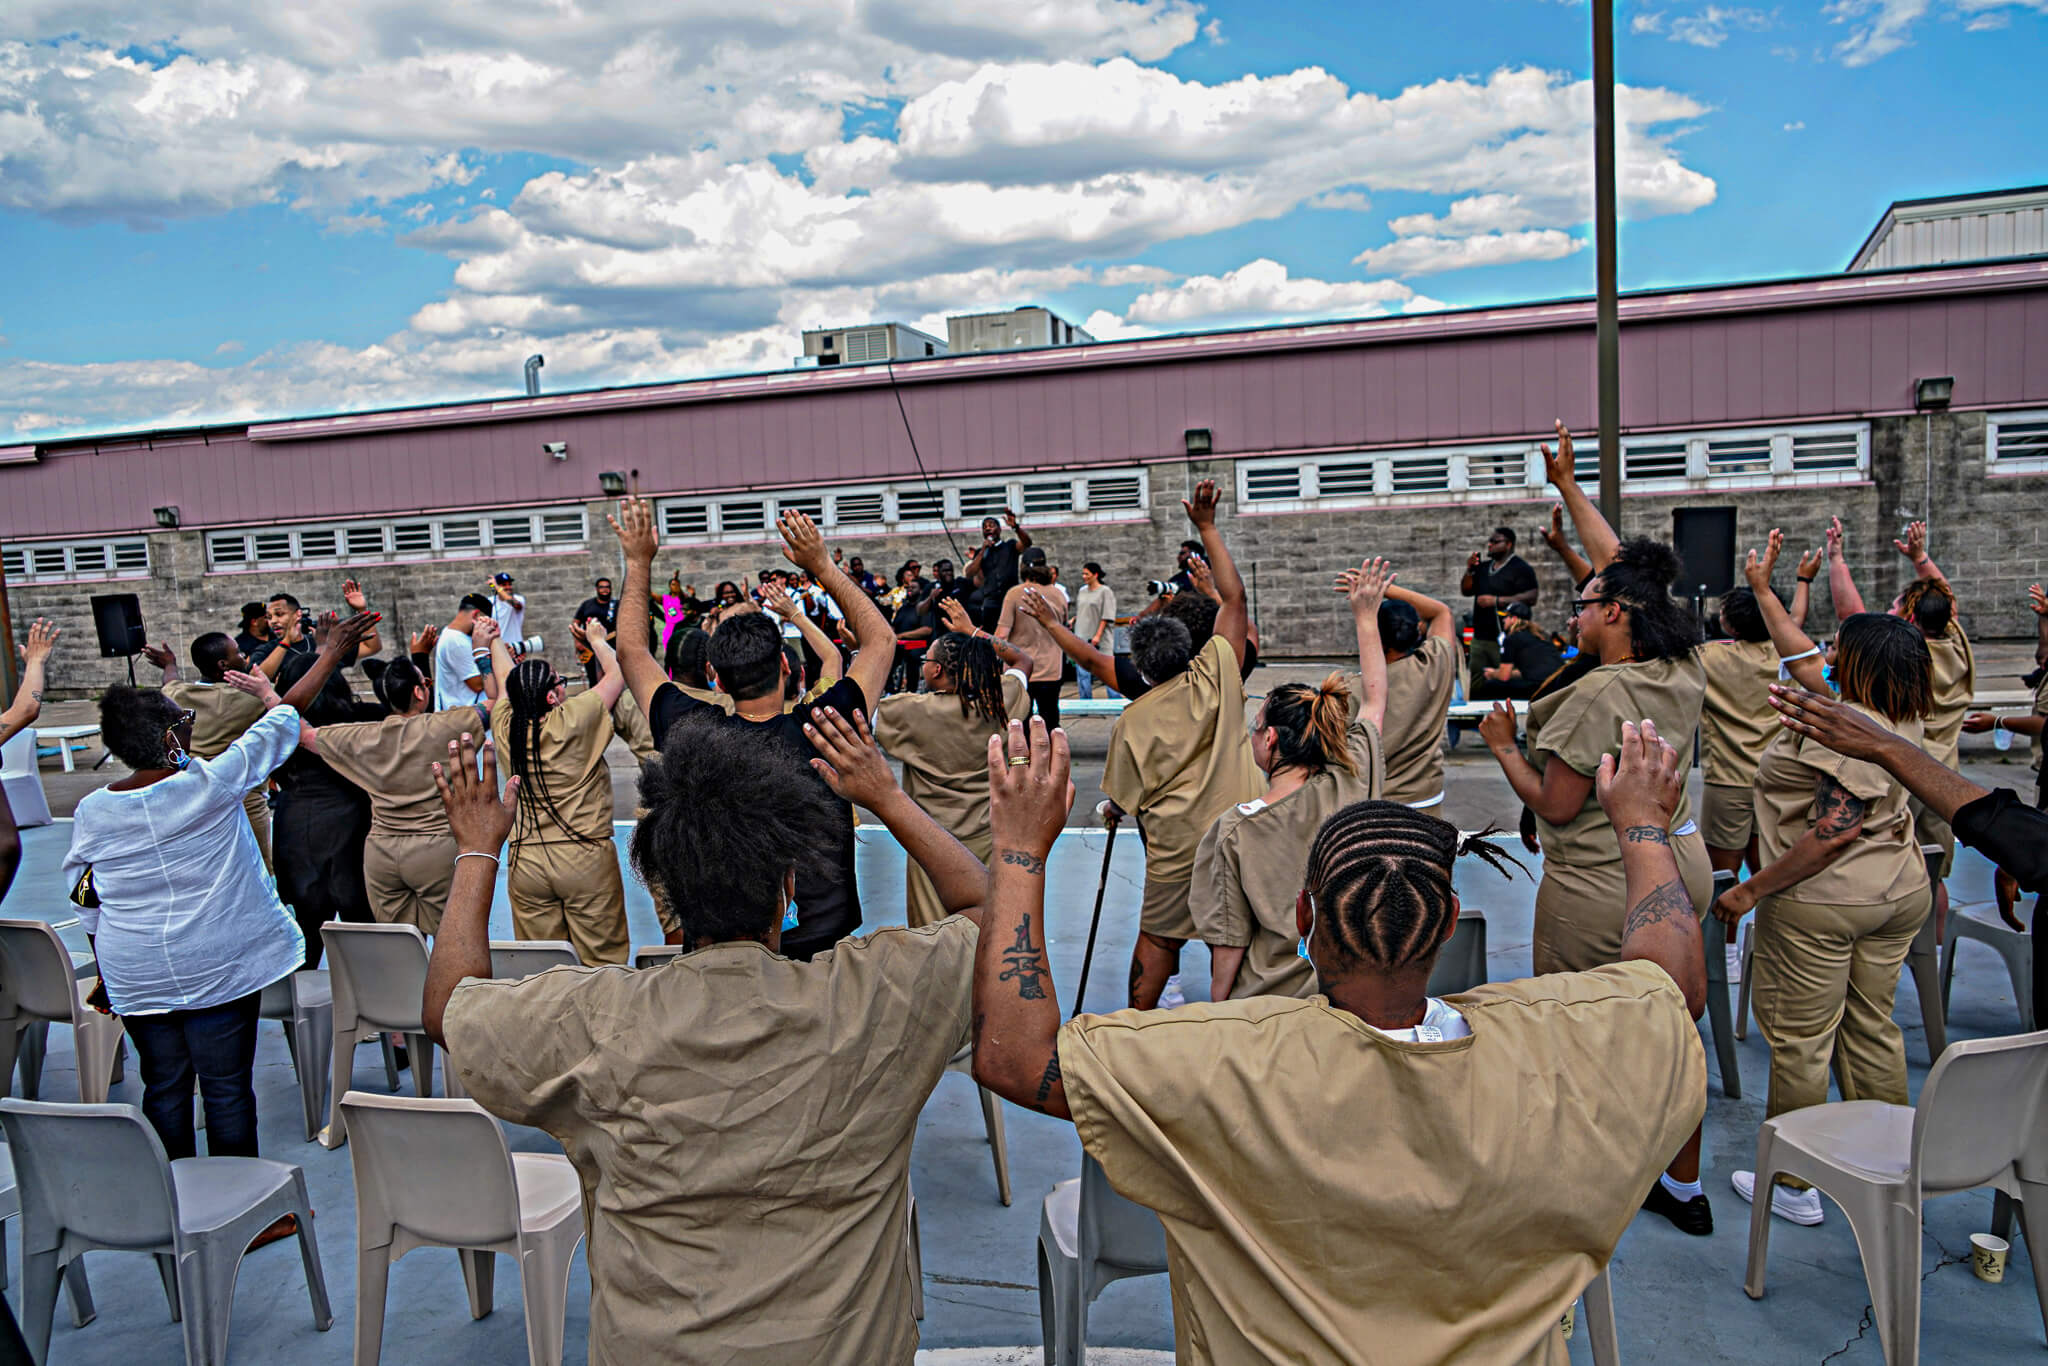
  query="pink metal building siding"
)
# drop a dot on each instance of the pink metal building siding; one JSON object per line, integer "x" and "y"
{"x": 1850, "y": 346}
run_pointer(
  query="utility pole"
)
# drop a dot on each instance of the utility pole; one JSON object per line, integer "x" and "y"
{"x": 10, "y": 671}
{"x": 1608, "y": 311}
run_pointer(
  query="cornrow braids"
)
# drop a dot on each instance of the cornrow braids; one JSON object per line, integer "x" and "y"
{"x": 1309, "y": 725}
{"x": 1379, "y": 877}
{"x": 970, "y": 663}
{"x": 527, "y": 690}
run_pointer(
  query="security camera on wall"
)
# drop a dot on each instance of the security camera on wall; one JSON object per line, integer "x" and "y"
{"x": 558, "y": 449}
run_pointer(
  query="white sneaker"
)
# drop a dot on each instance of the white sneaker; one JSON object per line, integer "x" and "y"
{"x": 1800, "y": 1207}
{"x": 1172, "y": 997}
{"x": 1734, "y": 963}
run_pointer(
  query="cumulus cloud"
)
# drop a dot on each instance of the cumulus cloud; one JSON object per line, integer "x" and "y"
{"x": 1430, "y": 255}
{"x": 1262, "y": 289}
{"x": 1474, "y": 214}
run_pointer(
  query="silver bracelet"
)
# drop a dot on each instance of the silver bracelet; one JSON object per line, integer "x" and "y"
{"x": 476, "y": 853}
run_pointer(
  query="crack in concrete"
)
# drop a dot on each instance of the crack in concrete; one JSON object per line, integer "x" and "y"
{"x": 969, "y": 1280}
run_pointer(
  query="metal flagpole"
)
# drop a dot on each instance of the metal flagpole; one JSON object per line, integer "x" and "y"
{"x": 1607, "y": 309}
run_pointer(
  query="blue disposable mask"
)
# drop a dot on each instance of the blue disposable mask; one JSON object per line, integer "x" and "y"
{"x": 789, "y": 918}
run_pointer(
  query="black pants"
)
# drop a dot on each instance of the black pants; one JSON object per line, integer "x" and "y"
{"x": 216, "y": 1044}
{"x": 1045, "y": 701}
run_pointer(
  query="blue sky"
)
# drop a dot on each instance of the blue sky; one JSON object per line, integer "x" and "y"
{"x": 220, "y": 211}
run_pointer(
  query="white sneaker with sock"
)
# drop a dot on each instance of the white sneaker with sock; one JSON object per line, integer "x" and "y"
{"x": 1799, "y": 1206}
{"x": 1172, "y": 996}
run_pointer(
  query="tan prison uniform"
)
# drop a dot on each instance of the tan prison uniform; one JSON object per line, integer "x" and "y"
{"x": 563, "y": 886}
{"x": 1028, "y": 633}
{"x": 1955, "y": 684}
{"x": 1334, "y": 1195}
{"x": 1828, "y": 950}
{"x": 741, "y": 1124}
{"x": 1582, "y": 900}
{"x": 409, "y": 859}
{"x": 1251, "y": 864}
{"x": 2040, "y": 709}
{"x": 1418, "y": 702}
{"x": 219, "y": 716}
{"x": 1735, "y": 725}
{"x": 1181, "y": 756}
{"x": 945, "y": 771}
{"x": 630, "y": 724}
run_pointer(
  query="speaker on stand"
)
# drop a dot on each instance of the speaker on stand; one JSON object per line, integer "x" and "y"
{"x": 117, "y": 617}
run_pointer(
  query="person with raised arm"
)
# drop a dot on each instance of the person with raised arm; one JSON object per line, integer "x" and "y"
{"x": 744, "y": 1143}
{"x": 220, "y": 714}
{"x": 1027, "y": 630}
{"x": 34, "y": 656}
{"x": 1179, "y": 757}
{"x": 1319, "y": 756}
{"x": 1371, "y": 1164}
{"x": 1842, "y": 889}
{"x": 1418, "y": 640}
{"x": 747, "y": 661}
{"x": 2032, "y": 725}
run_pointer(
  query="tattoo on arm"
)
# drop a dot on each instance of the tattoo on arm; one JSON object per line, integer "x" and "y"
{"x": 1836, "y": 813}
{"x": 1030, "y": 863}
{"x": 1024, "y": 964}
{"x": 1666, "y": 903}
{"x": 1050, "y": 1079}
{"x": 1646, "y": 834}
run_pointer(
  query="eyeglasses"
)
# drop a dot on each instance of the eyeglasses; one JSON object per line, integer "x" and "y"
{"x": 1581, "y": 604}
{"x": 185, "y": 718}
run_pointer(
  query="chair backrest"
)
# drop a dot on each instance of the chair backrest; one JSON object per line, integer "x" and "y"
{"x": 515, "y": 958}
{"x": 656, "y": 954}
{"x": 1982, "y": 1109}
{"x": 437, "y": 1168}
{"x": 378, "y": 972}
{"x": 1461, "y": 963}
{"x": 18, "y": 755}
{"x": 36, "y": 973}
{"x": 1114, "y": 1230}
{"x": 97, "y": 1171}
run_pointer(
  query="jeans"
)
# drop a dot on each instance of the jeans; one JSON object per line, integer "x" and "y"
{"x": 218, "y": 1045}
{"x": 1084, "y": 682}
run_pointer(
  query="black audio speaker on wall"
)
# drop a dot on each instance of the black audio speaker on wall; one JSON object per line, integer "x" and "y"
{"x": 1705, "y": 541}
{"x": 118, "y": 619}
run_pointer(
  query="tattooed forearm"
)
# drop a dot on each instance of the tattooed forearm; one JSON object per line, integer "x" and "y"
{"x": 1050, "y": 1079}
{"x": 1667, "y": 902}
{"x": 1018, "y": 858}
{"x": 1024, "y": 964}
{"x": 1646, "y": 834}
{"x": 1836, "y": 813}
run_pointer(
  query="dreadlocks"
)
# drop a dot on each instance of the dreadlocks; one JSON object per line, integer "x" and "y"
{"x": 1379, "y": 877}
{"x": 527, "y": 690}
{"x": 971, "y": 665}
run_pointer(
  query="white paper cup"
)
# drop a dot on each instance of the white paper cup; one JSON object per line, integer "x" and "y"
{"x": 1987, "y": 1257}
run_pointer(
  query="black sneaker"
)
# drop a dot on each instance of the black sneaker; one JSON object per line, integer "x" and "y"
{"x": 1694, "y": 1216}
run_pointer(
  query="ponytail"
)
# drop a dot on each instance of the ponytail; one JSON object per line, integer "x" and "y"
{"x": 394, "y": 685}
{"x": 1310, "y": 725}
{"x": 526, "y": 692}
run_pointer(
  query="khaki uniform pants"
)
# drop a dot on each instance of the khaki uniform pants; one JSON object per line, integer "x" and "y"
{"x": 1823, "y": 981}
{"x": 257, "y": 804}
{"x": 1580, "y": 912}
{"x": 409, "y": 878}
{"x": 573, "y": 892}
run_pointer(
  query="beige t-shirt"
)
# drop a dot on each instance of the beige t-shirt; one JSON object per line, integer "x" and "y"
{"x": 1181, "y": 756}
{"x": 1250, "y": 868}
{"x": 393, "y": 761}
{"x": 573, "y": 737}
{"x": 1737, "y": 721}
{"x": 219, "y": 714}
{"x": 1579, "y": 724}
{"x": 1883, "y": 863}
{"x": 1418, "y": 704}
{"x": 741, "y": 1124}
{"x": 1331, "y": 1194}
{"x": 945, "y": 754}
{"x": 1028, "y": 633}
{"x": 2040, "y": 709}
{"x": 1955, "y": 683}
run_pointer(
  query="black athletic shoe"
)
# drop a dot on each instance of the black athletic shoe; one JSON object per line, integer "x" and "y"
{"x": 1694, "y": 1216}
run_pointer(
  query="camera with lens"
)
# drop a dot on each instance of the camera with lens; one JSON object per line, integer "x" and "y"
{"x": 1161, "y": 588}
{"x": 532, "y": 645}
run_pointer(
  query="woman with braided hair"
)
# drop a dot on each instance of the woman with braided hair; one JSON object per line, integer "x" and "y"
{"x": 1369, "y": 1169}
{"x": 978, "y": 682}
{"x": 562, "y": 872}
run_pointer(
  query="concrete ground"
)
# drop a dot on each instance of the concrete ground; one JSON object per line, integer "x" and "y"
{"x": 1678, "y": 1298}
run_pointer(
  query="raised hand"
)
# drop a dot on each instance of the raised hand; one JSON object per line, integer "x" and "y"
{"x": 1201, "y": 576}
{"x": 1029, "y": 792}
{"x": 346, "y": 637}
{"x": 1010, "y": 517}
{"x": 1914, "y": 547}
{"x": 1497, "y": 728}
{"x": 1558, "y": 467}
{"x": 254, "y": 684}
{"x": 1201, "y": 508}
{"x": 803, "y": 545}
{"x": 849, "y": 760}
{"x": 956, "y": 618}
{"x": 776, "y": 600}
{"x": 1756, "y": 571}
{"x": 484, "y": 632}
{"x": 1032, "y": 603}
{"x": 1834, "y": 540}
{"x": 1369, "y": 584}
{"x": 42, "y": 638}
{"x": 635, "y": 527}
{"x": 1553, "y": 535}
{"x": 1811, "y": 561}
{"x": 2037, "y": 600}
{"x": 159, "y": 656}
{"x": 352, "y": 594}
{"x": 1642, "y": 784}
{"x": 424, "y": 640}
{"x": 478, "y": 815}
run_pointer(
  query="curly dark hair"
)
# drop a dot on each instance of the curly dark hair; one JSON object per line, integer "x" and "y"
{"x": 728, "y": 816}
{"x": 1639, "y": 577}
{"x": 1741, "y": 618}
{"x": 1197, "y": 612}
{"x": 132, "y": 725}
{"x": 1161, "y": 647}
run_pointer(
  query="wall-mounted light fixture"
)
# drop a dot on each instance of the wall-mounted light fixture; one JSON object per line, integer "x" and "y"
{"x": 558, "y": 449}
{"x": 167, "y": 517}
{"x": 1933, "y": 393}
{"x": 1198, "y": 441}
{"x": 613, "y": 483}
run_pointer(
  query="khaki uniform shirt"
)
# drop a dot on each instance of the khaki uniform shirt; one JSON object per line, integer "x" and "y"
{"x": 1418, "y": 703}
{"x": 393, "y": 762}
{"x": 1883, "y": 863}
{"x": 1334, "y": 1195}
{"x": 1181, "y": 756}
{"x": 630, "y": 724}
{"x": 1028, "y": 633}
{"x": 741, "y": 1125}
{"x": 1250, "y": 866}
{"x": 945, "y": 754}
{"x": 219, "y": 714}
{"x": 1955, "y": 683}
{"x": 1579, "y": 724}
{"x": 2040, "y": 709}
{"x": 573, "y": 737}
{"x": 1737, "y": 721}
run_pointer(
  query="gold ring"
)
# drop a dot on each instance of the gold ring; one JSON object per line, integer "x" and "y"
{"x": 1018, "y": 762}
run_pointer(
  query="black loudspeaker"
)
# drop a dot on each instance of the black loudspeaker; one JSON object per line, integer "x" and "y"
{"x": 118, "y": 619}
{"x": 1705, "y": 541}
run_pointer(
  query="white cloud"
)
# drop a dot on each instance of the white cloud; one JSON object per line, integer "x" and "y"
{"x": 1478, "y": 213}
{"x": 1430, "y": 255}
{"x": 1263, "y": 290}
{"x": 1650, "y": 21}
{"x": 1710, "y": 27}
{"x": 228, "y": 348}
{"x": 1796, "y": 126}
{"x": 1348, "y": 201}
{"x": 349, "y": 224}
{"x": 1880, "y": 27}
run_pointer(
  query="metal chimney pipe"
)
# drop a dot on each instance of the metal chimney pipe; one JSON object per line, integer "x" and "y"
{"x": 533, "y": 365}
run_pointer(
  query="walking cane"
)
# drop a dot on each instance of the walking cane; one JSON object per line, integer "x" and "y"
{"x": 1101, "y": 887}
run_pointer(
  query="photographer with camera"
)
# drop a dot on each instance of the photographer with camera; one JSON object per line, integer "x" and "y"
{"x": 508, "y": 609}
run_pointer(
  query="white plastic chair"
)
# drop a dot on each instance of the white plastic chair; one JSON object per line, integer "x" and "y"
{"x": 991, "y": 1120}
{"x": 1982, "y": 1121}
{"x": 22, "y": 780}
{"x": 437, "y": 1173}
{"x": 512, "y": 959}
{"x": 654, "y": 955}
{"x": 39, "y": 985}
{"x": 95, "y": 1177}
{"x": 74, "y": 1275}
{"x": 379, "y": 978}
{"x": 2014, "y": 946}
{"x": 304, "y": 1004}
{"x": 1461, "y": 965}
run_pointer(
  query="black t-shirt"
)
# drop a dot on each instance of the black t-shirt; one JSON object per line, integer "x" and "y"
{"x": 249, "y": 644}
{"x": 1533, "y": 656}
{"x": 1133, "y": 686}
{"x": 827, "y": 908}
{"x": 1513, "y": 577}
{"x": 605, "y": 610}
{"x": 305, "y": 646}
{"x": 999, "y": 569}
{"x": 911, "y": 615}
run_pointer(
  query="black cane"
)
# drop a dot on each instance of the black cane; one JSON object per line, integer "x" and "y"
{"x": 1094, "y": 924}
